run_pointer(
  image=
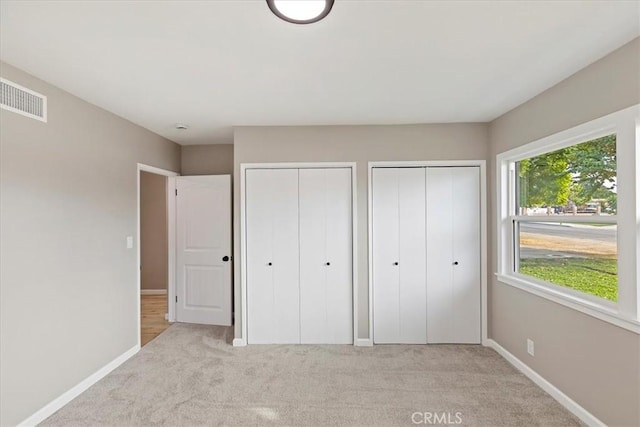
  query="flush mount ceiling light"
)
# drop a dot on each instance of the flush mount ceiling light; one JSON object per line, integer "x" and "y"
{"x": 300, "y": 11}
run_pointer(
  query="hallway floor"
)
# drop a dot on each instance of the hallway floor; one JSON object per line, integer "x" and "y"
{"x": 152, "y": 311}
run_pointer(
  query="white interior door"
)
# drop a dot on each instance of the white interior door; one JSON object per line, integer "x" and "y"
{"x": 273, "y": 304}
{"x": 399, "y": 278}
{"x": 325, "y": 256}
{"x": 453, "y": 254}
{"x": 203, "y": 234}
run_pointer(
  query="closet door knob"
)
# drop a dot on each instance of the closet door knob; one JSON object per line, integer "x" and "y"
{"x": 455, "y": 263}
{"x": 225, "y": 258}
{"x": 269, "y": 264}
{"x": 328, "y": 263}
{"x": 395, "y": 263}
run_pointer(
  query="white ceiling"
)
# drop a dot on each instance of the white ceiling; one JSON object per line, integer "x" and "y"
{"x": 217, "y": 64}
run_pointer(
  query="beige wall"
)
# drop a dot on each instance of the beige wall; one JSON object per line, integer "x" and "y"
{"x": 359, "y": 144}
{"x": 154, "y": 254}
{"x": 68, "y": 286}
{"x": 214, "y": 159}
{"x": 593, "y": 362}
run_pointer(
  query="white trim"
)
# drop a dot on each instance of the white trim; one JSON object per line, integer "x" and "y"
{"x": 364, "y": 342}
{"x": 171, "y": 241}
{"x": 297, "y": 165}
{"x": 582, "y": 305}
{"x": 243, "y": 260}
{"x": 570, "y": 404}
{"x": 243, "y": 225}
{"x": 602, "y": 126}
{"x": 568, "y": 219}
{"x": 140, "y": 167}
{"x": 157, "y": 171}
{"x": 66, "y": 397}
{"x": 370, "y": 246}
{"x": 239, "y": 342}
{"x": 482, "y": 165}
{"x": 425, "y": 163}
{"x": 354, "y": 249}
{"x": 484, "y": 270}
{"x": 153, "y": 292}
{"x": 626, "y": 312}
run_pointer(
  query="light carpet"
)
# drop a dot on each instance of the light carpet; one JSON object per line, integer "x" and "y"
{"x": 191, "y": 376}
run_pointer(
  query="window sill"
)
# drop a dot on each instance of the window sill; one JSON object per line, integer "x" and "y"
{"x": 592, "y": 309}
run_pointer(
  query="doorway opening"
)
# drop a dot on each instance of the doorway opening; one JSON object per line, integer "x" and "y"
{"x": 155, "y": 219}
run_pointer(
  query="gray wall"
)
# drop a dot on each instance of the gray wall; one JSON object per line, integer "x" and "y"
{"x": 595, "y": 363}
{"x": 68, "y": 286}
{"x": 348, "y": 144}
{"x": 154, "y": 253}
{"x": 214, "y": 159}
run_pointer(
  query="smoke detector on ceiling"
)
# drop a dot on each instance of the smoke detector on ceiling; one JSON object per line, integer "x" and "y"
{"x": 181, "y": 126}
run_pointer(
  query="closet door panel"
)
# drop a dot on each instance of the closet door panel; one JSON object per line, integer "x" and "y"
{"x": 313, "y": 272}
{"x": 466, "y": 252}
{"x": 286, "y": 262}
{"x": 385, "y": 248}
{"x": 339, "y": 253}
{"x": 440, "y": 224}
{"x": 259, "y": 229}
{"x": 325, "y": 256}
{"x": 272, "y": 238}
{"x": 412, "y": 256}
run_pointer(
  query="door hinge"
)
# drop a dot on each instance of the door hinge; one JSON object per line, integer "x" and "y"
{"x": 176, "y": 191}
{"x": 176, "y": 299}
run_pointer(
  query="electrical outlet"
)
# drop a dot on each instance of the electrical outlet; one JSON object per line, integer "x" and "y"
{"x": 530, "y": 348}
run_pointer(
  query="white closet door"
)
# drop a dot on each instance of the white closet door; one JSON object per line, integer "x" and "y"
{"x": 399, "y": 287}
{"x": 273, "y": 314}
{"x": 325, "y": 256}
{"x": 413, "y": 252}
{"x": 453, "y": 257}
{"x": 466, "y": 323}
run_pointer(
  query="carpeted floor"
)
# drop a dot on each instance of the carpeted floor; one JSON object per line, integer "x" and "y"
{"x": 190, "y": 376}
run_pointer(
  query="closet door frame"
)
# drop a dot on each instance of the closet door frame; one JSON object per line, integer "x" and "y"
{"x": 239, "y": 342}
{"x": 481, "y": 164}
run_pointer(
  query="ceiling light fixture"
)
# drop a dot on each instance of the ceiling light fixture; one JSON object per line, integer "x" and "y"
{"x": 181, "y": 126}
{"x": 300, "y": 11}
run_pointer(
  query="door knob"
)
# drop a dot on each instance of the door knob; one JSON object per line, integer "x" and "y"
{"x": 225, "y": 258}
{"x": 395, "y": 263}
{"x": 328, "y": 263}
{"x": 269, "y": 264}
{"x": 455, "y": 263}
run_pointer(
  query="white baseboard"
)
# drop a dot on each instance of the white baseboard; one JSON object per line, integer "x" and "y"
{"x": 239, "y": 342}
{"x": 78, "y": 389}
{"x": 364, "y": 342}
{"x": 153, "y": 291}
{"x": 573, "y": 407}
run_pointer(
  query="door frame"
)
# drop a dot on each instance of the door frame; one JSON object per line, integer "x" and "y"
{"x": 242, "y": 341}
{"x": 171, "y": 236}
{"x": 482, "y": 164}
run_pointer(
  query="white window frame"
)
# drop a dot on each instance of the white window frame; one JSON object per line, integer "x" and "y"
{"x": 625, "y": 312}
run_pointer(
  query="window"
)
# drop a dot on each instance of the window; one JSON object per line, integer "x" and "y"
{"x": 564, "y": 220}
{"x": 568, "y": 218}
